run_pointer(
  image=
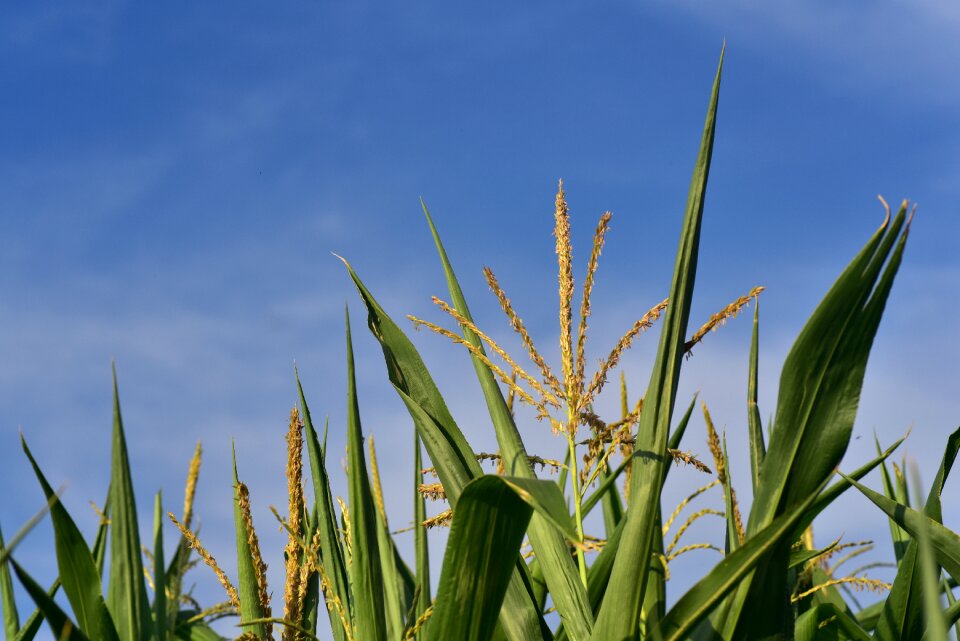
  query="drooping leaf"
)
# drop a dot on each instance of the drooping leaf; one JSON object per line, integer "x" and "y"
{"x": 126, "y": 591}
{"x": 620, "y": 612}
{"x": 811, "y": 622}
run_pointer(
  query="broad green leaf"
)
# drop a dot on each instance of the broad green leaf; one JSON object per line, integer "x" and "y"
{"x": 33, "y": 624}
{"x": 250, "y": 607}
{"x": 11, "y": 618}
{"x": 697, "y": 602}
{"x": 903, "y": 610}
{"x": 449, "y": 451}
{"x": 126, "y": 591}
{"x": 78, "y": 571}
{"x": 366, "y": 575}
{"x": 619, "y": 615}
{"x": 819, "y": 393}
{"x": 420, "y": 543}
{"x": 331, "y": 554}
{"x": 559, "y": 569}
{"x": 482, "y": 551}
{"x": 63, "y": 628}
{"x": 758, "y": 448}
{"x": 160, "y": 614}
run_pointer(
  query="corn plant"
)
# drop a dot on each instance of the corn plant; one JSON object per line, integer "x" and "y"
{"x": 773, "y": 581}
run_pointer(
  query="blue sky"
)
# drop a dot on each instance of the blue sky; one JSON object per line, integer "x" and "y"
{"x": 177, "y": 176}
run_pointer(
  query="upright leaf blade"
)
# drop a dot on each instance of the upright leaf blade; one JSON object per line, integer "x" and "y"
{"x": 78, "y": 571}
{"x": 250, "y": 607}
{"x": 619, "y": 615}
{"x": 126, "y": 591}
{"x": 331, "y": 554}
{"x": 559, "y": 570}
{"x": 449, "y": 451}
{"x": 420, "y": 544}
{"x": 11, "y": 619}
{"x": 482, "y": 550}
{"x": 365, "y": 570}
{"x": 160, "y": 614}
{"x": 758, "y": 449}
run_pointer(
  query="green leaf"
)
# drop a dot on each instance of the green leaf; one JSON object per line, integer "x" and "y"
{"x": 482, "y": 551}
{"x": 78, "y": 571}
{"x": 899, "y": 537}
{"x": 160, "y": 614}
{"x": 819, "y": 393}
{"x": 126, "y": 591}
{"x": 392, "y": 599}
{"x": 331, "y": 554}
{"x": 250, "y": 607}
{"x": 935, "y": 623}
{"x": 696, "y": 603}
{"x": 619, "y": 615}
{"x": 809, "y": 624}
{"x": 11, "y": 619}
{"x": 559, "y": 570}
{"x": 944, "y": 541}
{"x": 63, "y": 628}
{"x": 903, "y": 609}
{"x": 420, "y": 543}
{"x": 449, "y": 451}
{"x": 758, "y": 449}
{"x": 366, "y": 575}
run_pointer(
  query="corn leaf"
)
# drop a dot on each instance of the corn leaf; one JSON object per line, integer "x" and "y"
{"x": 897, "y": 534}
{"x": 250, "y": 607}
{"x": 366, "y": 575}
{"x": 817, "y": 403}
{"x": 903, "y": 610}
{"x": 420, "y": 543}
{"x": 811, "y": 622}
{"x": 78, "y": 571}
{"x": 159, "y": 574}
{"x": 11, "y": 619}
{"x": 945, "y": 542}
{"x": 619, "y": 615}
{"x": 126, "y": 592}
{"x": 331, "y": 554}
{"x": 694, "y": 606}
{"x": 559, "y": 569}
{"x": 758, "y": 449}
{"x": 482, "y": 551}
{"x": 63, "y": 628}
{"x": 448, "y": 449}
